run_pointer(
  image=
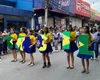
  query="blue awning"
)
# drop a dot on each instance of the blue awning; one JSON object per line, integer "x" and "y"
{"x": 7, "y": 2}
{"x": 15, "y": 11}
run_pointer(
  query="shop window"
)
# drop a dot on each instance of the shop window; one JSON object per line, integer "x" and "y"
{"x": 15, "y": 25}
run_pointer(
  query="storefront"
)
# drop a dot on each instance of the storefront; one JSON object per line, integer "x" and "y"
{"x": 12, "y": 17}
{"x": 58, "y": 14}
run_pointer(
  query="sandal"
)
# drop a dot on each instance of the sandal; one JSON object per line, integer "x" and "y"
{"x": 14, "y": 61}
{"x": 83, "y": 71}
{"x": 68, "y": 67}
{"x": 87, "y": 72}
{"x": 32, "y": 64}
{"x": 23, "y": 62}
{"x": 29, "y": 63}
{"x": 71, "y": 67}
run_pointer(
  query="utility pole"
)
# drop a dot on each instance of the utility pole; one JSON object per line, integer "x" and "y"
{"x": 46, "y": 12}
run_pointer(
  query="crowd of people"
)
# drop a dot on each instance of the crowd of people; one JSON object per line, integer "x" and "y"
{"x": 55, "y": 38}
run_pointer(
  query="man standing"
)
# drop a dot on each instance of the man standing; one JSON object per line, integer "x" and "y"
{"x": 97, "y": 42}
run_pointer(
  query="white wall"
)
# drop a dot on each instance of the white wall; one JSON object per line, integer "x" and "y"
{"x": 50, "y": 22}
{"x": 76, "y": 22}
{"x": 58, "y": 21}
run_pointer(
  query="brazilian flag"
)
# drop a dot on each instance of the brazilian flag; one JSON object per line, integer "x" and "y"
{"x": 42, "y": 47}
{"x": 26, "y": 44}
{"x": 84, "y": 45}
{"x": 20, "y": 42}
{"x": 9, "y": 42}
{"x": 66, "y": 40}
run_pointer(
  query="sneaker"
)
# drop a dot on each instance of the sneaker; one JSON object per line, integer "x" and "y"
{"x": 2, "y": 54}
{"x": 0, "y": 58}
{"x": 92, "y": 59}
{"x": 96, "y": 59}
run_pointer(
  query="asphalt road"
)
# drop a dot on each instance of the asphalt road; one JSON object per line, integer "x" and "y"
{"x": 58, "y": 71}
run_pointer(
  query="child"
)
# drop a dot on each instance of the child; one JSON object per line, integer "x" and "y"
{"x": 73, "y": 48}
{"x": 1, "y": 44}
{"x": 22, "y": 53}
{"x": 14, "y": 40}
{"x": 86, "y": 57}
{"x": 45, "y": 54}
{"x": 56, "y": 39}
{"x": 60, "y": 38}
{"x": 5, "y": 42}
{"x": 32, "y": 47}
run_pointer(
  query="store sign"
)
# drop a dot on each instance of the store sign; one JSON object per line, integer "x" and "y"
{"x": 82, "y": 8}
{"x": 63, "y": 3}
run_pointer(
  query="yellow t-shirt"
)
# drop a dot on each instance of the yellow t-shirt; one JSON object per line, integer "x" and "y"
{"x": 14, "y": 36}
{"x": 50, "y": 38}
{"x": 22, "y": 34}
{"x": 32, "y": 39}
{"x": 90, "y": 39}
{"x": 73, "y": 35}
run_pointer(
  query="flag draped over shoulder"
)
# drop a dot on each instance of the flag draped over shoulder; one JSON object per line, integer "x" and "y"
{"x": 84, "y": 45}
{"x": 66, "y": 40}
{"x": 26, "y": 44}
{"x": 9, "y": 42}
{"x": 42, "y": 47}
{"x": 19, "y": 43}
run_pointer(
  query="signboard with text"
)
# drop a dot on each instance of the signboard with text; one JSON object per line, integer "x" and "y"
{"x": 66, "y": 6}
{"x": 82, "y": 8}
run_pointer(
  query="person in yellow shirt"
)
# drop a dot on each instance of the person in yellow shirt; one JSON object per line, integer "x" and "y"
{"x": 22, "y": 53}
{"x": 86, "y": 57}
{"x": 49, "y": 49}
{"x": 73, "y": 48}
{"x": 14, "y": 40}
{"x": 32, "y": 47}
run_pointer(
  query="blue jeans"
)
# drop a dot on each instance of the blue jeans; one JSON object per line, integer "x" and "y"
{"x": 1, "y": 48}
{"x": 96, "y": 46}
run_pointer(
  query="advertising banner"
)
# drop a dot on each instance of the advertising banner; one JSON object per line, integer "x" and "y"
{"x": 66, "y": 6}
{"x": 82, "y": 8}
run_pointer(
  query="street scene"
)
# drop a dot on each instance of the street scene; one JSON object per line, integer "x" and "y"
{"x": 49, "y": 39}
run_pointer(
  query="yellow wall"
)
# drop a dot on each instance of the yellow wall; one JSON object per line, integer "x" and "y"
{"x": 96, "y": 12}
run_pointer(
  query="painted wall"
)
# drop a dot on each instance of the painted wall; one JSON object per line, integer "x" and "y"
{"x": 95, "y": 15}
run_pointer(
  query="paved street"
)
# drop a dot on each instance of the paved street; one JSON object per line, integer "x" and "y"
{"x": 58, "y": 71}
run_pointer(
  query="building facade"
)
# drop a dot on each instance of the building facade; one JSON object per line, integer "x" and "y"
{"x": 64, "y": 12}
{"x": 58, "y": 13}
{"x": 16, "y": 13}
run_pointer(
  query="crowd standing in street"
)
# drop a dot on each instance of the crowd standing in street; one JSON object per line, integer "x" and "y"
{"x": 55, "y": 38}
